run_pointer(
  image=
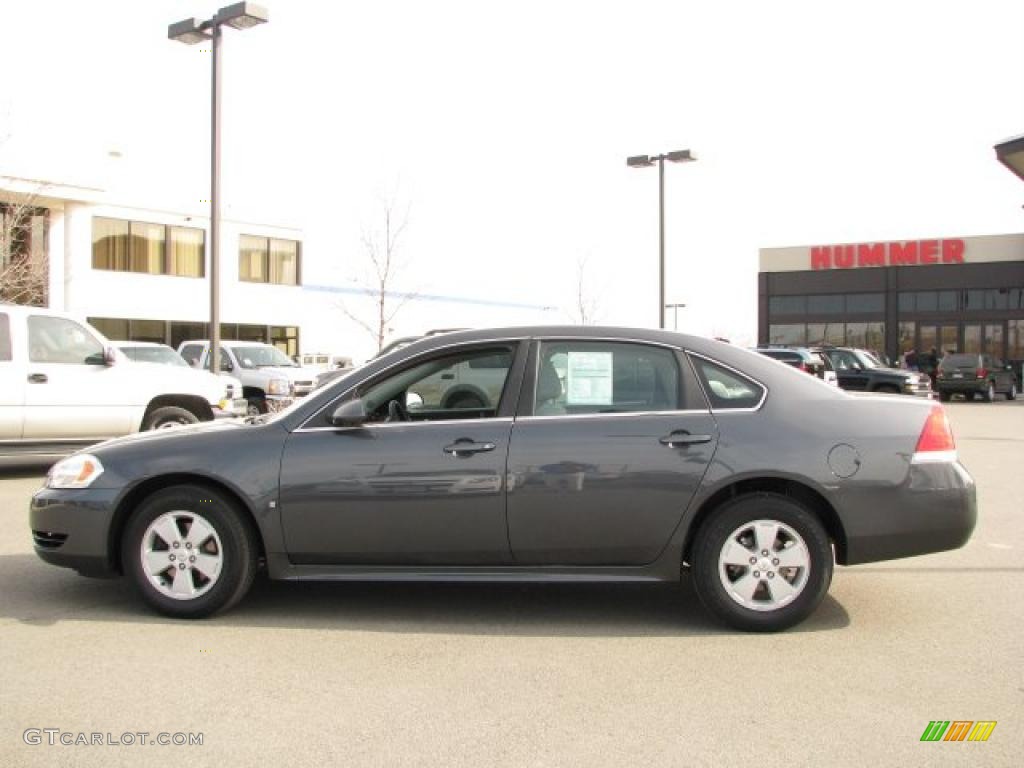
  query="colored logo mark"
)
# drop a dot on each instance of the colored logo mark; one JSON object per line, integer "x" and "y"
{"x": 958, "y": 730}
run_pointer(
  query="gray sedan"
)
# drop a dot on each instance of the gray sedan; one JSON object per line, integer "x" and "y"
{"x": 585, "y": 454}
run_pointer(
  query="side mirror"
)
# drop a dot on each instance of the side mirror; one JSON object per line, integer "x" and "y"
{"x": 109, "y": 356}
{"x": 351, "y": 413}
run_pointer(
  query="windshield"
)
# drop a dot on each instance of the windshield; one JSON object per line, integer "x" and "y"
{"x": 161, "y": 355}
{"x": 262, "y": 357}
{"x": 870, "y": 361}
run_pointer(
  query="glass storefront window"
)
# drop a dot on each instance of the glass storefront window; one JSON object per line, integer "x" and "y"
{"x": 993, "y": 340}
{"x": 972, "y": 338}
{"x": 947, "y": 301}
{"x": 1015, "y": 339}
{"x": 907, "y": 332}
{"x": 787, "y": 305}
{"x": 927, "y": 301}
{"x": 826, "y": 304}
{"x": 906, "y": 301}
{"x": 863, "y": 303}
{"x": 949, "y": 340}
{"x": 975, "y": 300}
{"x": 794, "y": 334}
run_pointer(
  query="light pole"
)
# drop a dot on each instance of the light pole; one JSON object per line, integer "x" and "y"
{"x": 675, "y": 314}
{"x": 645, "y": 161}
{"x": 190, "y": 32}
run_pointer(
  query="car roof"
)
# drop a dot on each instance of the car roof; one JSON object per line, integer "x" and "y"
{"x": 139, "y": 344}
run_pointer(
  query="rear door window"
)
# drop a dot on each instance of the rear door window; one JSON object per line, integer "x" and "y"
{"x": 581, "y": 377}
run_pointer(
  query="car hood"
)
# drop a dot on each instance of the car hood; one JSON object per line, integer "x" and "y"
{"x": 173, "y": 377}
{"x": 169, "y": 435}
{"x": 292, "y": 374}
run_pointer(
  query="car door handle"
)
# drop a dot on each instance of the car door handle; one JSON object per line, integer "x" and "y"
{"x": 465, "y": 447}
{"x": 682, "y": 438}
{"x": 37, "y": 378}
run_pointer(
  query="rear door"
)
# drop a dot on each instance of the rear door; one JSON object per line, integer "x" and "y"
{"x": 610, "y": 444}
{"x": 12, "y": 385}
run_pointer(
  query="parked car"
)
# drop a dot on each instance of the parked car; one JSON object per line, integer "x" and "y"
{"x": 805, "y": 360}
{"x": 270, "y": 380}
{"x": 860, "y": 371}
{"x": 325, "y": 361}
{"x": 63, "y": 385}
{"x": 150, "y": 352}
{"x": 651, "y": 455}
{"x": 972, "y": 374}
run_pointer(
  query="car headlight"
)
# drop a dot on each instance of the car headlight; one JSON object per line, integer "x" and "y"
{"x": 279, "y": 387}
{"x": 79, "y": 471}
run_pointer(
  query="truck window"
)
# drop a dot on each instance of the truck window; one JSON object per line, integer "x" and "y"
{"x": 59, "y": 340}
{"x": 5, "y": 338}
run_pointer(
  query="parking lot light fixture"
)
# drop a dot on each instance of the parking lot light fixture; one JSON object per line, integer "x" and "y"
{"x": 191, "y": 32}
{"x": 645, "y": 161}
{"x": 1011, "y": 154}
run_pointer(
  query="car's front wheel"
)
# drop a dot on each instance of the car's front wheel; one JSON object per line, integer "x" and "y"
{"x": 1011, "y": 393}
{"x": 762, "y": 562}
{"x": 189, "y": 552}
{"x": 990, "y": 393}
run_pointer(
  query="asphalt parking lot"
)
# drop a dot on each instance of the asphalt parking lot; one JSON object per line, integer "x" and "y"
{"x": 475, "y": 675}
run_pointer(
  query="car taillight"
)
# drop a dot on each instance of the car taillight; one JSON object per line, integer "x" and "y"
{"x": 936, "y": 440}
{"x": 981, "y": 373}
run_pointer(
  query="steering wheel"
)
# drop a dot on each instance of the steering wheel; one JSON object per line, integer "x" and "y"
{"x": 397, "y": 412}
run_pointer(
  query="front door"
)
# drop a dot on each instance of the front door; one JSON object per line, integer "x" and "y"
{"x": 12, "y": 385}
{"x": 422, "y": 482}
{"x": 606, "y": 455}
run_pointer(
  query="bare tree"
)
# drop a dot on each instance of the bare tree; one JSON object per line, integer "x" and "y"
{"x": 586, "y": 309}
{"x": 381, "y": 247}
{"x": 23, "y": 264}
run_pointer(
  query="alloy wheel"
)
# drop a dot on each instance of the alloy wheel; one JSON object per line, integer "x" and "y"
{"x": 764, "y": 565}
{"x": 182, "y": 555}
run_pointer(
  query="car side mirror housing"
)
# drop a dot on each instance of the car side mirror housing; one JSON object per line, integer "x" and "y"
{"x": 109, "y": 356}
{"x": 351, "y": 413}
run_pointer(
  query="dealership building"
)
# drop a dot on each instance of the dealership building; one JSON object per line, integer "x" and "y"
{"x": 963, "y": 294}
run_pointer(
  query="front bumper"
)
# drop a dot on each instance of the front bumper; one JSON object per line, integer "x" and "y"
{"x": 72, "y": 528}
{"x": 935, "y": 510}
{"x": 230, "y": 409}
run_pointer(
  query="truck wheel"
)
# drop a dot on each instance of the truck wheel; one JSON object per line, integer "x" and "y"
{"x": 189, "y": 552}
{"x": 1011, "y": 394}
{"x": 990, "y": 393}
{"x": 168, "y": 417}
{"x": 257, "y": 406}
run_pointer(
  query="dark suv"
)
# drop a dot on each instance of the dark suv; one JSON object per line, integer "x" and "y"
{"x": 859, "y": 370}
{"x": 802, "y": 358}
{"x": 974, "y": 374}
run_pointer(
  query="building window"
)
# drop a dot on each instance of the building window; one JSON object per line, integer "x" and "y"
{"x": 787, "y": 305}
{"x": 794, "y": 334}
{"x": 268, "y": 260}
{"x": 147, "y": 248}
{"x": 826, "y": 304}
{"x": 927, "y": 301}
{"x": 285, "y": 338}
{"x": 907, "y": 332}
{"x": 1015, "y": 339}
{"x": 125, "y": 329}
{"x": 865, "y": 303}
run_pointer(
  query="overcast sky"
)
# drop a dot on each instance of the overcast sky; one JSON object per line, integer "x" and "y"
{"x": 504, "y": 128}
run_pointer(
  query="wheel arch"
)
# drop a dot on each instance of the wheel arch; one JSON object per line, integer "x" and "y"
{"x": 194, "y": 404}
{"x": 130, "y": 501}
{"x": 783, "y": 486}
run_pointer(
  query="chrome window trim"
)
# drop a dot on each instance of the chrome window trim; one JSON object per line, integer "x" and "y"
{"x": 617, "y": 414}
{"x": 380, "y": 424}
{"x": 741, "y": 374}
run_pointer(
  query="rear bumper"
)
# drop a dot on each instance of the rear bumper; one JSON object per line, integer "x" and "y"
{"x": 960, "y": 387}
{"x": 935, "y": 510}
{"x": 71, "y": 528}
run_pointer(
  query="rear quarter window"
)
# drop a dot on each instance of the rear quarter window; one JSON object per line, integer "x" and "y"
{"x": 727, "y": 389}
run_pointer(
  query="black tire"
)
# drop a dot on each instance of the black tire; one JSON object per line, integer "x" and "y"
{"x": 944, "y": 397}
{"x": 257, "y": 406}
{"x": 1011, "y": 393}
{"x": 715, "y": 533}
{"x": 238, "y": 551}
{"x": 990, "y": 393}
{"x": 169, "y": 416}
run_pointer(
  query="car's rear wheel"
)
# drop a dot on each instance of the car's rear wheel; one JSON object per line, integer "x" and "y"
{"x": 189, "y": 552}
{"x": 762, "y": 562}
{"x": 1011, "y": 393}
{"x": 990, "y": 393}
{"x": 168, "y": 417}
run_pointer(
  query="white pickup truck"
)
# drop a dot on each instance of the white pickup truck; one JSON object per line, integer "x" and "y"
{"x": 270, "y": 379}
{"x": 63, "y": 385}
